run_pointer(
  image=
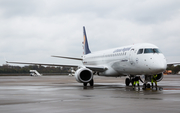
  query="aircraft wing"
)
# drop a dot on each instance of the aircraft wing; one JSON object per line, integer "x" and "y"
{"x": 68, "y": 65}
{"x": 91, "y": 67}
{"x": 172, "y": 63}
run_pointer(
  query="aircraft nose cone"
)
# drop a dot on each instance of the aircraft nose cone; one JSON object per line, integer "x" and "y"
{"x": 160, "y": 65}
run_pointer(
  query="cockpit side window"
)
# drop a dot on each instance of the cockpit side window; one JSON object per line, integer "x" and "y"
{"x": 140, "y": 51}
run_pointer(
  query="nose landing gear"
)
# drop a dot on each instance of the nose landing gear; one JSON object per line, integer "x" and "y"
{"x": 146, "y": 85}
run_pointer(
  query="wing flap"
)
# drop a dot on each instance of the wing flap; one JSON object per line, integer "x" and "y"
{"x": 97, "y": 68}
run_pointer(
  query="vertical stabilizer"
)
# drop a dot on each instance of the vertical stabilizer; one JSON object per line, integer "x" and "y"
{"x": 85, "y": 43}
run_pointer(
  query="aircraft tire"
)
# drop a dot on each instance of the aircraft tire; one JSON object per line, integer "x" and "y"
{"x": 148, "y": 85}
{"x": 127, "y": 81}
{"x": 132, "y": 82}
{"x": 144, "y": 85}
{"x": 85, "y": 84}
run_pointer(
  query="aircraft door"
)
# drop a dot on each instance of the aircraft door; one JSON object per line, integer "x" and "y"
{"x": 132, "y": 57}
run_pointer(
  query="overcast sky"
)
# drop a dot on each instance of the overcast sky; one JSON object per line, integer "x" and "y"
{"x": 33, "y": 30}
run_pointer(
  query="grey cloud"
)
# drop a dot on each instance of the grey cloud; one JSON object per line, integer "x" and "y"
{"x": 148, "y": 11}
{"x": 12, "y": 8}
{"x": 43, "y": 28}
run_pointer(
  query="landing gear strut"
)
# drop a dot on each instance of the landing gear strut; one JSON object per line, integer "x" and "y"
{"x": 85, "y": 84}
{"x": 91, "y": 83}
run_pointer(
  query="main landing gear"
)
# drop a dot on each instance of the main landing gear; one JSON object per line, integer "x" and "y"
{"x": 128, "y": 81}
{"x": 91, "y": 83}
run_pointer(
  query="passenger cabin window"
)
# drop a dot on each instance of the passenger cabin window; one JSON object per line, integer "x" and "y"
{"x": 140, "y": 51}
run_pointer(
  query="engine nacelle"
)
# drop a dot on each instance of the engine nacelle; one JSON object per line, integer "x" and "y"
{"x": 83, "y": 75}
{"x": 159, "y": 77}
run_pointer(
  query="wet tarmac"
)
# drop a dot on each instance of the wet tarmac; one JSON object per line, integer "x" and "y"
{"x": 62, "y": 94}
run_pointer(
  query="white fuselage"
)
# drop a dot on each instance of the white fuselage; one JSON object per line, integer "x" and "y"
{"x": 128, "y": 60}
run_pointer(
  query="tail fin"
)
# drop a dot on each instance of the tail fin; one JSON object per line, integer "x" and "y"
{"x": 85, "y": 43}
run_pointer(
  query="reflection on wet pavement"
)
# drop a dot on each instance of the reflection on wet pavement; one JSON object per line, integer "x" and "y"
{"x": 63, "y": 94}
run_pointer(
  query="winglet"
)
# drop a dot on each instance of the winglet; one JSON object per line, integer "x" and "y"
{"x": 85, "y": 43}
{"x": 5, "y": 60}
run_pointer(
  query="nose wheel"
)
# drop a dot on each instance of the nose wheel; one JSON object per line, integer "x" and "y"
{"x": 145, "y": 85}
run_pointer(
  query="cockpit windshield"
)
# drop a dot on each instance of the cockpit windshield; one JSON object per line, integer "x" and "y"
{"x": 156, "y": 50}
{"x": 148, "y": 50}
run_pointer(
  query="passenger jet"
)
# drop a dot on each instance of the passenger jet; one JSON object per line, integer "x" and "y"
{"x": 132, "y": 60}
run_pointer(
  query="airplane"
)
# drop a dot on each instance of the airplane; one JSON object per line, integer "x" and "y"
{"x": 132, "y": 60}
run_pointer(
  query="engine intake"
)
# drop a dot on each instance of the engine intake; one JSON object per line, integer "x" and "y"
{"x": 159, "y": 77}
{"x": 83, "y": 75}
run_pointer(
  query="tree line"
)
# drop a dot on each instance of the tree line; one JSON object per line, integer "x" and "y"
{"x": 5, "y": 69}
{"x": 175, "y": 69}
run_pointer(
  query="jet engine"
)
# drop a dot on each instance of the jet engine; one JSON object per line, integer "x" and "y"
{"x": 159, "y": 77}
{"x": 83, "y": 75}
